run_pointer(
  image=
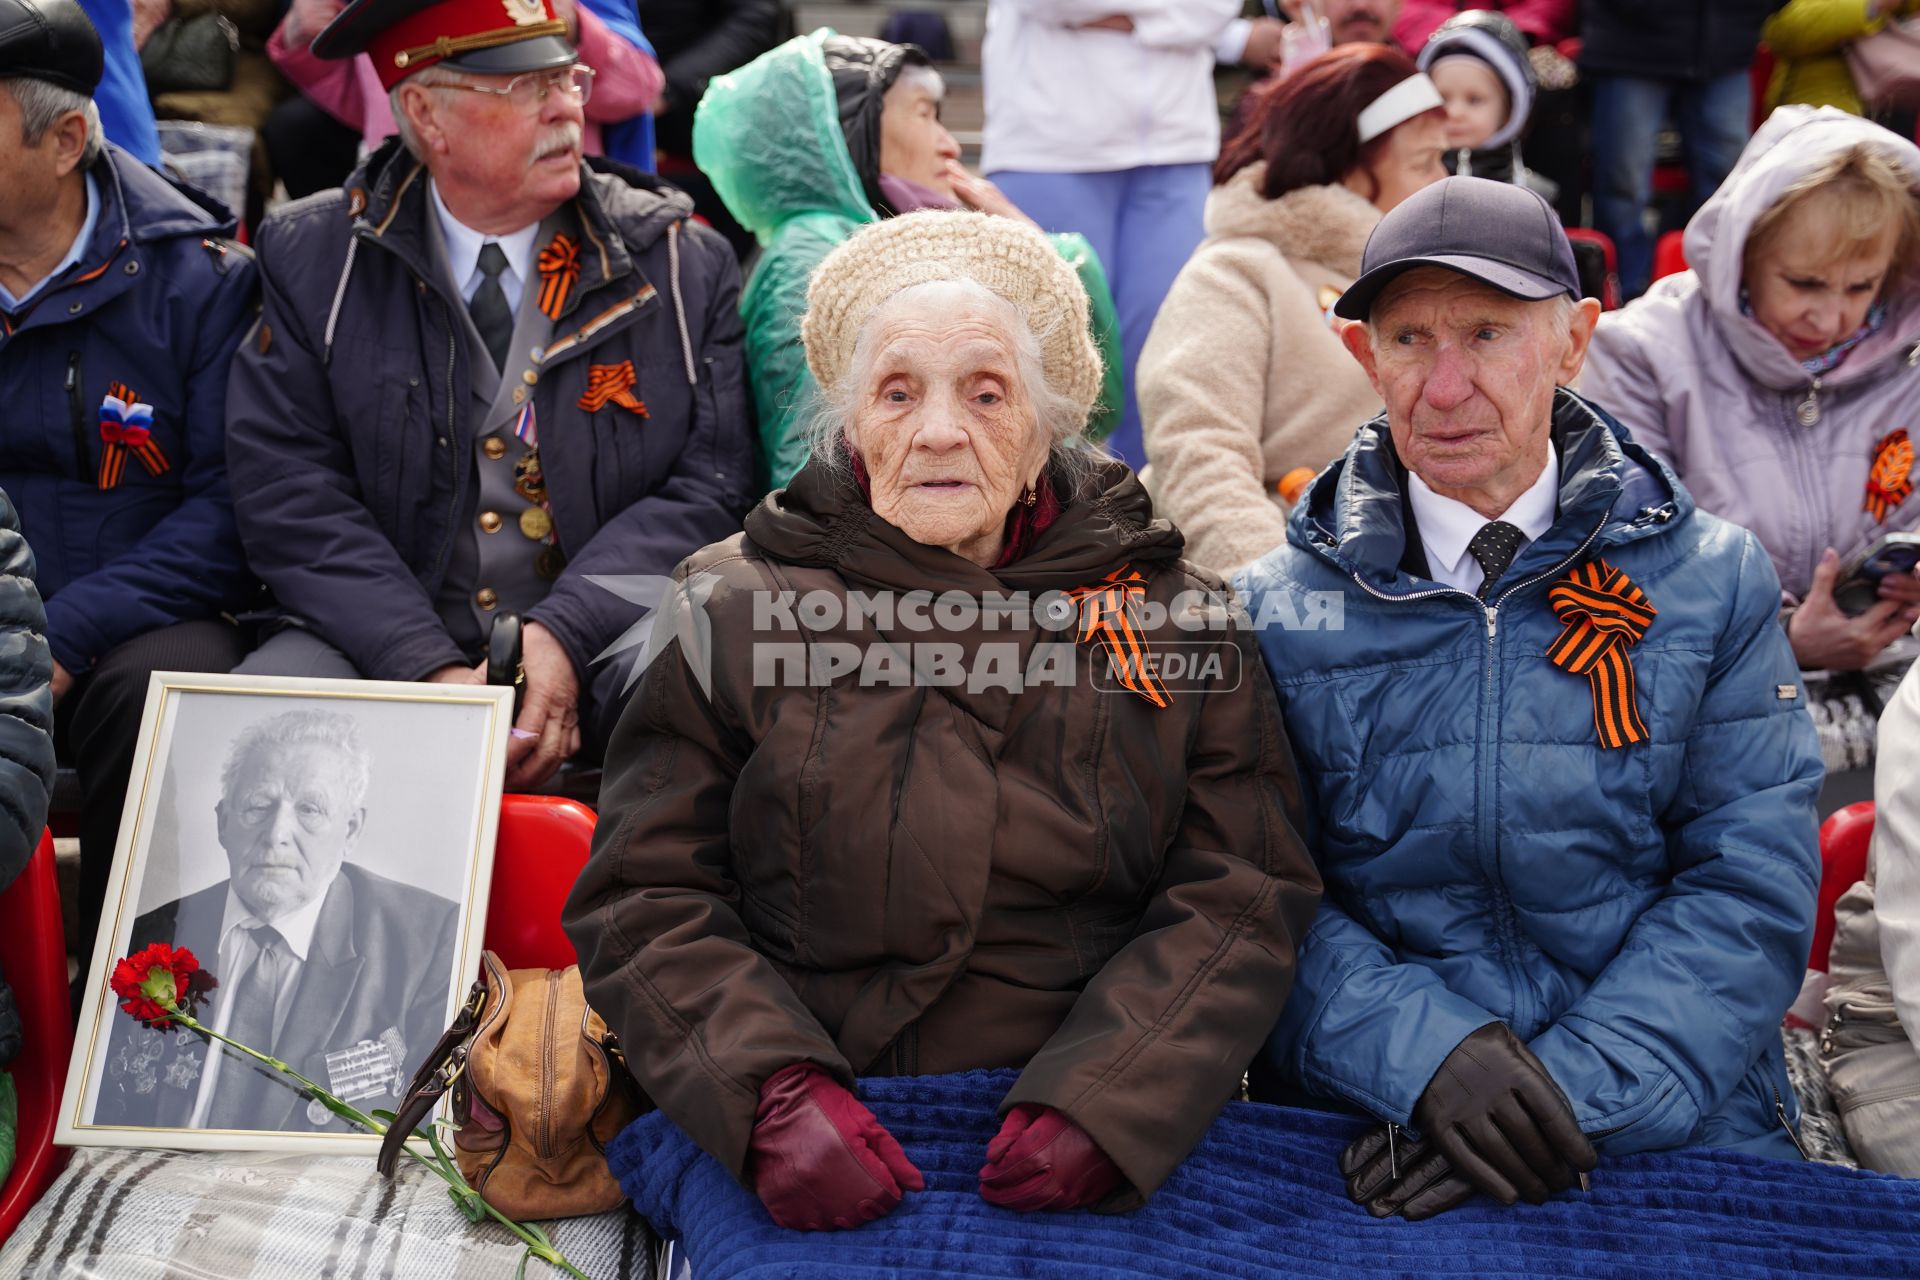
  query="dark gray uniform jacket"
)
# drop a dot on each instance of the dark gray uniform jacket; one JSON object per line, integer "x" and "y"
{"x": 349, "y": 440}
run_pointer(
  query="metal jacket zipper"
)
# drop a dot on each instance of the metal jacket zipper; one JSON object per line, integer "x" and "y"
{"x": 76, "y": 404}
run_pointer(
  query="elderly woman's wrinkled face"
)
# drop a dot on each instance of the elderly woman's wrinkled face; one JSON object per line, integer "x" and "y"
{"x": 1468, "y": 375}
{"x": 942, "y": 420}
{"x": 1801, "y": 293}
{"x": 913, "y": 143}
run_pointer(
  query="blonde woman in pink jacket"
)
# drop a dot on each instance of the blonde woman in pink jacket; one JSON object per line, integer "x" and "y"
{"x": 1781, "y": 375}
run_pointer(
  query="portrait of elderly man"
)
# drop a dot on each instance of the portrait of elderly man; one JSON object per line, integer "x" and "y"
{"x": 799, "y": 881}
{"x": 336, "y": 970}
{"x": 1560, "y": 774}
{"x": 485, "y": 371}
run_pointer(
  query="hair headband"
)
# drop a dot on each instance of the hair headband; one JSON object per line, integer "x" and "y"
{"x": 1413, "y": 96}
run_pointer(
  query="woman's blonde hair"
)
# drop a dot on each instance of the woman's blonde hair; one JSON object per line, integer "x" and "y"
{"x": 1867, "y": 192}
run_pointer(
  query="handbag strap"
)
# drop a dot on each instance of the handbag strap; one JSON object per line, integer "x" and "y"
{"x": 443, "y": 1066}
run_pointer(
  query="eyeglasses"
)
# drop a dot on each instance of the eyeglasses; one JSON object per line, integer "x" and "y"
{"x": 530, "y": 89}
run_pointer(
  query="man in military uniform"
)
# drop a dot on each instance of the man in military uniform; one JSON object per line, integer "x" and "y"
{"x": 483, "y": 372}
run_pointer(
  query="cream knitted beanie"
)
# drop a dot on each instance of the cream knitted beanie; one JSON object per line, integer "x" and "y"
{"x": 1007, "y": 256}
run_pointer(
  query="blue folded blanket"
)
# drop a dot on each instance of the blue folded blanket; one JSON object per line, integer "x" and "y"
{"x": 1262, "y": 1196}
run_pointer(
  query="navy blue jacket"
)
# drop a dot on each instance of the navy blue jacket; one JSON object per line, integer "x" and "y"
{"x": 1640, "y": 915}
{"x": 157, "y": 302}
{"x": 348, "y": 429}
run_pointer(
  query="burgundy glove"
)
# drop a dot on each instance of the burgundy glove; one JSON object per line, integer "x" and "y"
{"x": 818, "y": 1159}
{"x": 1042, "y": 1160}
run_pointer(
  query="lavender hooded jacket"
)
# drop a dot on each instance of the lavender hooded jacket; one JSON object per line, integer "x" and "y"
{"x": 1715, "y": 395}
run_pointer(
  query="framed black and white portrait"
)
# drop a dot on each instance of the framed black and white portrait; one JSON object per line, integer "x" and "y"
{"x": 324, "y": 848}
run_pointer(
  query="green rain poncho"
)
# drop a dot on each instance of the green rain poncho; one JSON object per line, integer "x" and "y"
{"x": 769, "y": 138}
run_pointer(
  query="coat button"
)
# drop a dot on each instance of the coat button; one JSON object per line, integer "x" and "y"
{"x": 490, "y": 522}
{"x": 529, "y": 377}
{"x": 74, "y": 308}
{"x": 486, "y": 597}
{"x": 494, "y": 447}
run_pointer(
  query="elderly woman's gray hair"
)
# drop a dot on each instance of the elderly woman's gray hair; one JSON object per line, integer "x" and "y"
{"x": 1038, "y": 295}
{"x": 304, "y": 728}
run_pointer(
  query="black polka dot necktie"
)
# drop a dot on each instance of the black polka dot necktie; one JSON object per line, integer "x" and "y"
{"x": 1494, "y": 548}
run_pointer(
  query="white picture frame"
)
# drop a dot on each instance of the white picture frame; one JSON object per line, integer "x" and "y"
{"x": 375, "y": 955}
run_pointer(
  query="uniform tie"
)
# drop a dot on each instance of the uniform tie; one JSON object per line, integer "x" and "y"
{"x": 1493, "y": 548}
{"x": 244, "y": 1092}
{"x": 491, "y": 315}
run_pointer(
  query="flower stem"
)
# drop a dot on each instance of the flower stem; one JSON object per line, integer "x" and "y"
{"x": 539, "y": 1246}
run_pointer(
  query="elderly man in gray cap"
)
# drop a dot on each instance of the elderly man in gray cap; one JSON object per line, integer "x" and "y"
{"x": 1557, "y": 757}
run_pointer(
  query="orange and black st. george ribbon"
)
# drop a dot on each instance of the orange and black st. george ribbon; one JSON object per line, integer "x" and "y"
{"x": 1107, "y": 617}
{"x": 559, "y": 267}
{"x": 1890, "y": 478}
{"x": 1605, "y": 615}
{"x": 612, "y": 384}
{"x": 126, "y": 426}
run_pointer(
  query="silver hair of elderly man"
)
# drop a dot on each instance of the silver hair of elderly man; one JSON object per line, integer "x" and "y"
{"x": 1054, "y": 413}
{"x": 305, "y": 727}
{"x": 42, "y": 103}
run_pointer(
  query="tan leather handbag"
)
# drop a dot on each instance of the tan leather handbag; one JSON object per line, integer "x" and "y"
{"x": 539, "y": 1089}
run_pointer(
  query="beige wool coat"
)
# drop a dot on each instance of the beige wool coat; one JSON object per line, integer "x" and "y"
{"x": 1243, "y": 378}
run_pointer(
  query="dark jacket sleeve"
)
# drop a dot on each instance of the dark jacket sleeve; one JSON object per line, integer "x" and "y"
{"x": 306, "y": 528}
{"x": 189, "y": 565}
{"x": 1696, "y": 992}
{"x": 705, "y": 495}
{"x": 26, "y": 703}
{"x": 747, "y": 29}
{"x": 664, "y": 954}
{"x": 1157, "y": 1042}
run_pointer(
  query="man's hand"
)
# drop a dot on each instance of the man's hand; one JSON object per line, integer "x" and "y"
{"x": 307, "y": 19}
{"x": 1112, "y": 22}
{"x": 1826, "y": 639}
{"x": 977, "y": 193}
{"x": 62, "y": 682}
{"x": 1402, "y": 1175}
{"x": 457, "y": 674}
{"x": 1501, "y": 1121}
{"x": 548, "y": 730}
{"x": 1263, "y": 44}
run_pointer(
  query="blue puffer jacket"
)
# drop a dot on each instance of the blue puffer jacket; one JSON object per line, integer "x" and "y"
{"x": 1640, "y": 916}
{"x": 157, "y": 303}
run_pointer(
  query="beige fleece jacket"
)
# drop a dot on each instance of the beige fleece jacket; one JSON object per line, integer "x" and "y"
{"x": 1243, "y": 379}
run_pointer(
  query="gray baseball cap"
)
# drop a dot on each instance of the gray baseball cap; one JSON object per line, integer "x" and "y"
{"x": 1503, "y": 235}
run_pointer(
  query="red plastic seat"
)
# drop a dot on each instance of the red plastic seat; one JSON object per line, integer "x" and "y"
{"x": 33, "y": 952}
{"x": 1844, "y": 838}
{"x": 543, "y": 844}
{"x": 1669, "y": 254}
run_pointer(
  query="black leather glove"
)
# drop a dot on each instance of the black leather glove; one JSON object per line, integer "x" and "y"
{"x": 1491, "y": 1119}
{"x": 1393, "y": 1173}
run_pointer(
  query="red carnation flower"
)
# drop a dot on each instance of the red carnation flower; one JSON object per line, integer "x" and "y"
{"x": 152, "y": 982}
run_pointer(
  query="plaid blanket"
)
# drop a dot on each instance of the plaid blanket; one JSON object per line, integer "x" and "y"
{"x": 1262, "y": 1196}
{"x": 145, "y": 1215}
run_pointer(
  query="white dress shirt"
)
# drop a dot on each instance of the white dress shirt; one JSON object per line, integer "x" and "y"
{"x": 238, "y": 953}
{"x": 1447, "y": 526}
{"x": 463, "y": 253}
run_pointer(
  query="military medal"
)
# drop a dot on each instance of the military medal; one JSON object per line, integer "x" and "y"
{"x": 535, "y": 523}
{"x": 528, "y": 481}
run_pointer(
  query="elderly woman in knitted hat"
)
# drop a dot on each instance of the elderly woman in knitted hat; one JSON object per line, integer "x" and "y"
{"x": 956, "y": 765}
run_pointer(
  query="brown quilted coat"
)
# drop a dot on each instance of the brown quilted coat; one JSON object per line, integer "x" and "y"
{"x": 895, "y": 880}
